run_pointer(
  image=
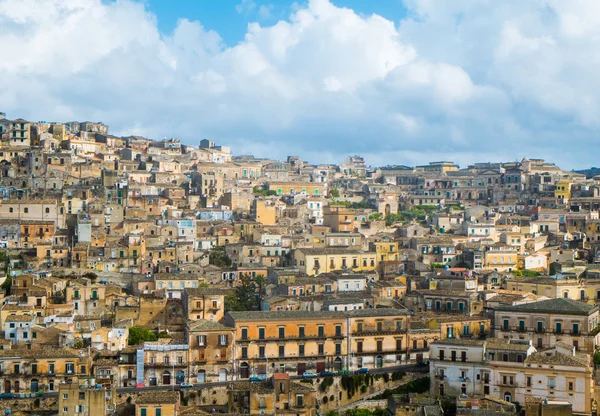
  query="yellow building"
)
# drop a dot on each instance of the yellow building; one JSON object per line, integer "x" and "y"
{"x": 265, "y": 211}
{"x": 84, "y": 399}
{"x": 278, "y": 396}
{"x": 291, "y": 188}
{"x": 313, "y": 261}
{"x": 157, "y": 403}
{"x": 33, "y": 370}
{"x": 386, "y": 250}
{"x": 298, "y": 341}
{"x": 210, "y": 351}
{"x": 562, "y": 193}
{"x": 501, "y": 257}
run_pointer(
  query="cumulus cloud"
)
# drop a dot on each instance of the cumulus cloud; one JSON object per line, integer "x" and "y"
{"x": 457, "y": 80}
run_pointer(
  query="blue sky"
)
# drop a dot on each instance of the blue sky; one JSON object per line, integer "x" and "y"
{"x": 399, "y": 82}
{"x": 230, "y": 18}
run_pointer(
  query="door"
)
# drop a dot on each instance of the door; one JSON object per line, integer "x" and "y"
{"x": 180, "y": 377}
{"x": 166, "y": 378}
{"x": 419, "y": 357}
{"x": 320, "y": 366}
{"x": 34, "y": 386}
{"x": 201, "y": 376}
{"x": 301, "y": 368}
{"x": 223, "y": 374}
{"x": 7, "y": 386}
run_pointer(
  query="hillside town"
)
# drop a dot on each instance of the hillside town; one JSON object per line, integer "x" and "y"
{"x": 153, "y": 278}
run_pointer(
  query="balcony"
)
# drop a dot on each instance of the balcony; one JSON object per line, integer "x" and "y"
{"x": 371, "y": 331}
{"x": 166, "y": 365}
{"x": 287, "y": 338}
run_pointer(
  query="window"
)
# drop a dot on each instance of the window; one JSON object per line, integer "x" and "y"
{"x": 379, "y": 326}
{"x": 453, "y": 355}
{"x": 26, "y": 210}
{"x": 301, "y": 332}
{"x": 570, "y": 386}
{"x": 338, "y": 349}
{"x": 222, "y": 340}
{"x": 442, "y": 355}
{"x": 301, "y": 350}
{"x": 244, "y": 333}
{"x": 261, "y": 352}
{"x": 321, "y": 349}
{"x": 158, "y": 412}
{"x": 281, "y": 332}
{"x": 528, "y": 381}
{"x": 521, "y": 325}
{"x": 321, "y": 331}
{"x": 505, "y": 325}
{"x": 143, "y": 412}
{"x": 261, "y": 333}
{"x": 463, "y": 356}
{"x": 338, "y": 330}
{"x": 244, "y": 352}
{"x": 202, "y": 340}
{"x": 551, "y": 383}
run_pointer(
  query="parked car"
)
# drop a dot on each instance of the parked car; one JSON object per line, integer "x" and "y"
{"x": 362, "y": 371}
{"x": 255, "y": 379}
{"x": 327, "y": 373}
{"x": 422, "y": 363}
{"x": 309, "y": 374}
{"x": 7, "y": 396}
{"x": 185, "y": 384}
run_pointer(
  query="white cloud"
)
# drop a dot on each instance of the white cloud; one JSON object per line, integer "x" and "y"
{"x": 265, "y": 11}
{"x": 468, "y": 80}
{"x": 245, "y": 6}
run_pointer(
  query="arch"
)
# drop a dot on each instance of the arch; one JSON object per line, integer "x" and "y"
{"x": 379, "y": 361}
{"x": 507, "y": 397}
{"x": 244, "y": 370}
{"x": 166, "y": 378}
{"x": 180, "y": 377}
{"x": 201, "y": 376}
{"x": 337, "y": 364}
{"x": 34, "y": 386}
{"x": 223, "y": 374}
{"x": 17, "y": 386}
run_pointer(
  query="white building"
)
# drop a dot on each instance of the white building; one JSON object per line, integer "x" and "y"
{"x": 511, "y": 370}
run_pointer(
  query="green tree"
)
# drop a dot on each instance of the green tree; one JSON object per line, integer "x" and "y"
{"x": 232, "y": 304}
{"x": 218, "y": 257}
{"x": 245, "y": 292}
{"x": 375, "y": 216}
{"x": 260, "y": 282}
{"x": 6, "y": 285}
{"x": 597, "y": 358}
{"x": 335, "y": 193}
{"x": 137, "y": 335}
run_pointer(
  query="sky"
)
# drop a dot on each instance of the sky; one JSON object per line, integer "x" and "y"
{"x": 396, "y": 81}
